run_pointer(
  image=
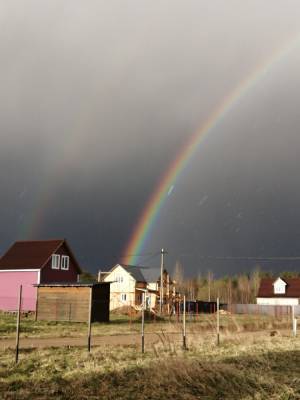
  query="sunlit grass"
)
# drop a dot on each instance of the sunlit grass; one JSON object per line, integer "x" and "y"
{"x": 244, "y": 366}
{"x": 120, "y": 324}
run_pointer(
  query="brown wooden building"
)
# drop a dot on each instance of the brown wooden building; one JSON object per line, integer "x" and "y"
{"x": 73, "y": 302}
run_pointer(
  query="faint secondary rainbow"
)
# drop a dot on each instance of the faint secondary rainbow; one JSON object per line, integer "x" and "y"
{"x": 151, "y": 211}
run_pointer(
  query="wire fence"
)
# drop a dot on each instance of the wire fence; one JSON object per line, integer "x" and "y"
{"x": 183, "y": 321}
{"x": 276, "y": 311}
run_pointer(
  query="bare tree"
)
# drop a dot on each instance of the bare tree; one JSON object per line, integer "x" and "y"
{"x": 178, "y": 277}
{"x": 210, "y": 277}
{"x": 255, "y": 282}
{"x": 229, "y": 291}
{"x": 199, "y": 285}
{"x": 244, "y": 288}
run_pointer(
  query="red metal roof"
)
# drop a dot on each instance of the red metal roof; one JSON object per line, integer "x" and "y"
{"x": 266, "y": 288}
{"x": 29, "y": 254}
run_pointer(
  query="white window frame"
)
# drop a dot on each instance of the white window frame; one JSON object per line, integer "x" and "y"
{"x": 123, "y": 296}
{"x": 55, "y": 263}
{"x": 65, "y": 263}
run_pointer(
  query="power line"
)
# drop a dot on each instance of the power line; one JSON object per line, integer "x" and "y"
{"x": 149, "y": 256}
{"x": 251, "y": 258}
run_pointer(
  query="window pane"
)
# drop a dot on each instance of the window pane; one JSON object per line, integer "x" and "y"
{"x": 65, "y": 262}
{"x": 55, "y": 261}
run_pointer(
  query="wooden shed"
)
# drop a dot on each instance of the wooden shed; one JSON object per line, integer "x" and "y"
{"x": 73, "y": 302}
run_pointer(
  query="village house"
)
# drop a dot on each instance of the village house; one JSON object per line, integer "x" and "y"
{"x": 283, "y": 292}
{"x": 128, "y": 282}
{"x": 30, "y": 263}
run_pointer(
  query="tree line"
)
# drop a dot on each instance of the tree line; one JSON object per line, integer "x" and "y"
{"x": 241, "y": 288}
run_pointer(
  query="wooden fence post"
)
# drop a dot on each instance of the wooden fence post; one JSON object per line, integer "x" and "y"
{"x": 218, "y": 321}
{"x": 36, "y": 305}
{"x": 18, "y": 324}
{"x": 184, "y": 327}
{"x": 295, "y": 327}
{"x": 143, "y": 323}
{"x": 294, "y": 322}
{"x": 90, "y": 319}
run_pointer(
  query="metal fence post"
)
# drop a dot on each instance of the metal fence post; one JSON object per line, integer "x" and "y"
{"x": 90, "y": 320}
{"x": 218, "y": 321}
{"x": 184, "y": 327}
{"x": 18, "y": 324}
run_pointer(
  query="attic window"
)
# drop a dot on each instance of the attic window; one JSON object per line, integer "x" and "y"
{"x": 65, "y": 262}
{"x": 279, "y": 286}
{"x": 55, "y": 261}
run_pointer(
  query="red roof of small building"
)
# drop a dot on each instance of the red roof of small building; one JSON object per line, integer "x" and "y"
{"x": 32, "y": 254}
{"x": 266, "y": 288}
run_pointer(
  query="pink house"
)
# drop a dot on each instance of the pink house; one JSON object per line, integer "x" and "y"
{"x": 28, "y": 263}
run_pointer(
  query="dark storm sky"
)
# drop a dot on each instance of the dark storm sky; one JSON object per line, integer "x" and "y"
{"x": 97, "y": 98}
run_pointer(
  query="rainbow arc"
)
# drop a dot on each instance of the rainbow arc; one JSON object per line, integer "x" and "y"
{"x": 150, "y": 214}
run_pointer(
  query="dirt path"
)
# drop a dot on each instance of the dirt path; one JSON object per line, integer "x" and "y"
{"x": 114, "y": 340}
{"x": 127, "y": 339}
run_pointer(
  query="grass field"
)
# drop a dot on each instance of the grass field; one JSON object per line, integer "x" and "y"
{"x": 249, "y": 363}
{"x": 120, "y": 324}
{"x": 244, "y": 366}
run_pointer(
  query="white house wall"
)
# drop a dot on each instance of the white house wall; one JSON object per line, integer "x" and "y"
{"x": 127, "y": 286}
{"x": 277, "y": 301}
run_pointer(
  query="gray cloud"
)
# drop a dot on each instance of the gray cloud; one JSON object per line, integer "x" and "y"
{"x": 98, "y": 98}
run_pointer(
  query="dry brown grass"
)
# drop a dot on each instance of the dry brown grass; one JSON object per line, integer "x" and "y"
{"x": 245, "y": 366}
{"x": 121, "y": 324}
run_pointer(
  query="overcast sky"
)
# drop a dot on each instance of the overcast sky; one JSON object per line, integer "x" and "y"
{"x": 96, "y": 100}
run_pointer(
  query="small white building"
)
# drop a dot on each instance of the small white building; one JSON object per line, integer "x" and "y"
{"x": 279, "y": 292}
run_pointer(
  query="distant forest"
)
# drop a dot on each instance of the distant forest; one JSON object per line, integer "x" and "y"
{"x": 241, "y": 288}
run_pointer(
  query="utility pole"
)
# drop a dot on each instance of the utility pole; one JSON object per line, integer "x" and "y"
{"x": 163, "y": 252}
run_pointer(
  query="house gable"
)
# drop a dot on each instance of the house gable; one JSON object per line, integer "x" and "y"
{"x": 121, "y": 280}
{"x": 279, "y": 286}
{"x": 67, "y": 273}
